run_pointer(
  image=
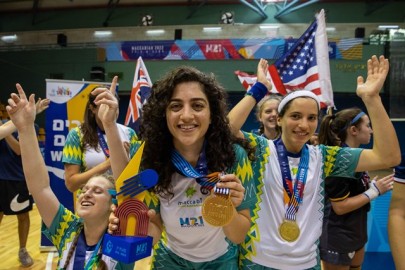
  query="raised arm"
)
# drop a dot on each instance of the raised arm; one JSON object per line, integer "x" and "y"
{"x": 8, "y": 128}
{"x": 240, "y": 112}
{"x": 22, "y": 113}
{"x": 108, "y": 113}
{"x": 385, "y": 152}
{"x": 75, "y": 179}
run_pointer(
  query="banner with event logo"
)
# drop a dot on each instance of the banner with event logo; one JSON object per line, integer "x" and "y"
{"x": 66, "y": 111}
{"x": 220, "y": 49}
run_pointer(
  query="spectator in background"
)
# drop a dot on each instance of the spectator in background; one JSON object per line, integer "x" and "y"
{"x": 15, "y": 198}
{"x": 396, "y": 218}
{"x": 266, "y": 114}
{"x": 347, "y": 200}
{"x": 86, "y": 152}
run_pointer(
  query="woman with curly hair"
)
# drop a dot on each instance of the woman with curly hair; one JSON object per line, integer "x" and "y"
{"x": 185, "y": 129}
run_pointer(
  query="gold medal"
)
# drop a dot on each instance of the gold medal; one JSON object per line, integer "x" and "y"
{"x": 217, "y": 209}
{"x": 289, "y": 230}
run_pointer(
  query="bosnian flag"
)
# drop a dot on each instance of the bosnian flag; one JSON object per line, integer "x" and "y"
{"x": 305, "y": 66}
{"x": 141, "y": 90}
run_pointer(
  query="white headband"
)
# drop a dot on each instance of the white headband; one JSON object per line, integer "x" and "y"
{"x": 297, "y": 94}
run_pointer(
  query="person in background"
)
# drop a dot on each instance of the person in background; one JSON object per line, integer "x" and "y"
{"x": 347, "y": 200}
{"x": 396, "y": 216}
{"x": 14, "y": 195}
{"x": 185, "y": 129}
{"x": 86, "y": 152}
{"x": 266, "y": 114}
{"x": 290, "y": 173}
{"x": 78, "y": 237}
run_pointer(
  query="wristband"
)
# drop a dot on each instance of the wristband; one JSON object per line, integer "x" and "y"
{"x": 373, "y": 192}
{"x": 257, "y": 91}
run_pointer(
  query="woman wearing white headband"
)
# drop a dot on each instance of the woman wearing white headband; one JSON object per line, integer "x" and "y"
{"x": 344, "y": 231}
{"x": 289, "y": 174}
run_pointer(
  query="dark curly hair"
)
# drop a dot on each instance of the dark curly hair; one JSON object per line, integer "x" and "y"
{"x": 158, "y": 139}
{"x": 333, "y": 127}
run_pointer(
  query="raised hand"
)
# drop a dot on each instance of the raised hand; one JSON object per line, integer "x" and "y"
{"x": 42, "y": 104}
{"x": 377, "y": 70}
{"x": 108, "y": 110}
{"x": 20, "y": 109}
{"x": 262, "y": 70}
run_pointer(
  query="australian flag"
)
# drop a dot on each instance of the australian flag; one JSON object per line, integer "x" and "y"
{"x": 305, "y": 66}
{"x": 141, "y": 90}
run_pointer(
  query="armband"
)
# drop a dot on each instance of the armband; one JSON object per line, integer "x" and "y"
{"x": 257, "y": 91}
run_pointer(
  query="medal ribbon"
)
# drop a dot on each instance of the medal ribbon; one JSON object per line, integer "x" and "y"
{"x": 295, "y": 193}
{"x": 80, "y": 254}
{"x": 199, "y": 172}
{"x": 103, "y": 142}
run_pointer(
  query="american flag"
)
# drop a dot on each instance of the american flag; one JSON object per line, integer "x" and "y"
{"x": 304, "y": 66}
{"x": 141, "y": 90}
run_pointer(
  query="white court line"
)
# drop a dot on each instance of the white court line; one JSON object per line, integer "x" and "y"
{"x": 49, "y": 260}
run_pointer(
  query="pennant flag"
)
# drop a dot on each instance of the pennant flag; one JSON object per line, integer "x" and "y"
{"x": 305, "y": 66}
{"x": 141, "y": 90}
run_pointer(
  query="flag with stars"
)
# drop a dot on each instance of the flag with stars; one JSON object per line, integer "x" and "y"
{"x": 305, "y": 66}
{"x": 141, "y": 90}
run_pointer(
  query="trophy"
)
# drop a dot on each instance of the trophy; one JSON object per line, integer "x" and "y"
{"x": 130, "y": 242}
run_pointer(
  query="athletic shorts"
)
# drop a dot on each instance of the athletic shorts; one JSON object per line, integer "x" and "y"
{"x": 165, "y": 259}
{"x": 337, "y": 258}
{"x": 14, "y": 197}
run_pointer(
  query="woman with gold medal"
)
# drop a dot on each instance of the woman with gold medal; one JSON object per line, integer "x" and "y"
{"x": 189, "y": 144}
{"x": 289, "y": 173}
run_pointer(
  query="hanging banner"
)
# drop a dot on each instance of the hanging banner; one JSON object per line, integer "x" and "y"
{"x": 66, "y": 111}
{"x": 220, "y": 49}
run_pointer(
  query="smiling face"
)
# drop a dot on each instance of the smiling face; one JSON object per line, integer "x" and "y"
{"x": 268, "y": 114}
{"x": 298, "y": 123}
{"x": 188, "y": 116}
{"x": 93, "y": 200}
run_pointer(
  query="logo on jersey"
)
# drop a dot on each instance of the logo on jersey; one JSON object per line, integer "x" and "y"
{"x": 191, "y": 222}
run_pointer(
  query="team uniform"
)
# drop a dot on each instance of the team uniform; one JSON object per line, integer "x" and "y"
{"x": 188, "y": 241}
{"x": 14, "y": 195}
{"x": 87, "y": 157}
{"x": 343, "y": 235}
{"x": 264, "y": 248}
{"x": 62, "y": 233}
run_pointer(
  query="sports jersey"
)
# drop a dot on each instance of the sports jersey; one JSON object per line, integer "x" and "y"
{"x": 263, "y": 244}
{"x": 88, "y": 157}
{"x": 348, "y": 232}
{"x": 62, "y": 232}
{"x": 186, "y": 233}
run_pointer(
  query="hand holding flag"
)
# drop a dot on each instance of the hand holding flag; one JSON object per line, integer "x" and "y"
{"x": 304, "y": 66}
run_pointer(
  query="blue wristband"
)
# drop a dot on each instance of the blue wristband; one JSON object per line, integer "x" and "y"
{"x": 258, "y": 91}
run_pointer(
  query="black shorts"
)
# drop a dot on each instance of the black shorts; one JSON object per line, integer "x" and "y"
{"x": 14, "y": 197}
{"x": 337, "y": 258}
